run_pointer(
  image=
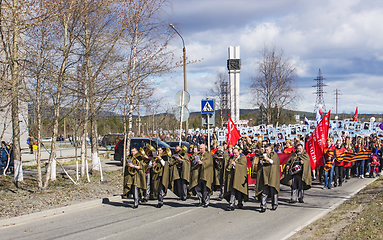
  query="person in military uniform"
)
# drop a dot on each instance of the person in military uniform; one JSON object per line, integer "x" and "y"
{"x": 220, "y": 161}
{"x": 179, "y": 168}
{"x": 134, "y": 177}
{"x": 159, "y": 176}
{"x": 202, "y": 176}
{"x": 297, "y": 174}
{"x": 236, "y": 180}
{"x": 268, "y": 175}
{"x": 149, "y": 165}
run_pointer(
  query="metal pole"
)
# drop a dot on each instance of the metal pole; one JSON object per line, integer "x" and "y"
{"x": 208, "y": 133}
{"x": 185, "y": 88}
{"x": 184, "y": 60}
{"x": 336, "y": 102}
{"x": 181, "y": 117}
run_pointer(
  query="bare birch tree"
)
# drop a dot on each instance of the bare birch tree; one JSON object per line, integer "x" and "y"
{"x": 218, "y": 91}
{"x": 148, "y": 38}
{"x": 16, "y": 16}
{"x": 274, "y": 85}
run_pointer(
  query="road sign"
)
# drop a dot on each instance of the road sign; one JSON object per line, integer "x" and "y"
{"x": 182, "y": 94}
{"x": 207, "y": 106}
{"x": 185, "y": 113}
{"x": 211, "y": 120}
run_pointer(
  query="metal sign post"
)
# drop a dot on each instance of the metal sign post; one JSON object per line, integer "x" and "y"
{"x": 181, "y": 113}
{"x": 207, "y": 109}
{"x": 208, "y": 134}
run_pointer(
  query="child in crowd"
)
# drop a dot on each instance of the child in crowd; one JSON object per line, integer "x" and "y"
{"x": 374, "y": 166}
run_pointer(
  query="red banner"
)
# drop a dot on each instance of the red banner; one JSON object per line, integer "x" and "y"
{"x": 283, "y": 158}
{"x": 233, "y": 134}
{"x": 317, "y": 141}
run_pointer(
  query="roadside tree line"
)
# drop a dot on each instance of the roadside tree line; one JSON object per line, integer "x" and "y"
{"x": 84, "y": 56}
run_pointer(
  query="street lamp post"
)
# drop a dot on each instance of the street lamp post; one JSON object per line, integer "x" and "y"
{"x": 185, "y": 83}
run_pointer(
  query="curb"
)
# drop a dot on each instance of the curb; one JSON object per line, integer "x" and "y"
{"x": 9, "y": 222}
{"x": 322, "y": 214}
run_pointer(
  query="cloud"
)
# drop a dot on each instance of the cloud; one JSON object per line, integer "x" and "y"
{"x": 342, "y": 38}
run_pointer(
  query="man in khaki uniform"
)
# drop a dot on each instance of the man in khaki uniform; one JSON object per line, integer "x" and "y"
{"x": 159, "y": 181}
{"x": 221, "y": 159}
{"x": 202, "y": 176}
{"x": 268, "y": 175}
{"x": 298, "y": 180}
{"x": 136, "y": 181}
{"x": 236, "y": 180}
{"x": 179, "y": 167}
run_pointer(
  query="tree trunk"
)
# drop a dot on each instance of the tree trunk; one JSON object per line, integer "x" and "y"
{"x": 38, "y": 111}
{"x": 15, "y": 89}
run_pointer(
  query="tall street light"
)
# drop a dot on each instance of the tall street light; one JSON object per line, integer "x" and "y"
{"x": 185, "y": 83}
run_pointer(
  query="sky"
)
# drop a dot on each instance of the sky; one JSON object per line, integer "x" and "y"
{"x": 342, "y": 38}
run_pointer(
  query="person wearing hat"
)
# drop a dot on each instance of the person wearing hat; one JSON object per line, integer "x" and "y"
{"x": 31, "y": 142}
{"x": 220, "y": 158}
{"x": 134, "y": 182}
{"x": 374, "y": 166}
{"x": 268, "y": 175}
{"x": 159, "y": 180}
{"x": 236, "y": 180}
{"x": 288, "y": 148}
{"x": 297, "y": 174}
{"x": 179, "y": 168}
{"x": 201, "y": 176}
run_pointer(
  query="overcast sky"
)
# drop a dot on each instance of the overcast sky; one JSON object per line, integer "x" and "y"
{"x": 343, "y": 38}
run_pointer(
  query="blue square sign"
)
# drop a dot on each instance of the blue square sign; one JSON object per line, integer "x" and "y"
{"x": 207, "y": 106}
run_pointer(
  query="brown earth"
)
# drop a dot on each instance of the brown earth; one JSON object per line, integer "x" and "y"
{"x": 27, "y": 198}
{"x": 360, "y": 217}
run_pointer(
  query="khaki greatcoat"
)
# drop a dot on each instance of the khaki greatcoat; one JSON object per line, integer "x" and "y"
{"x": 268, "y": 174}
{"x": 137, "y": 179}
{"x": 158, "y": 179}
{"x": 236, "y": 178}
{"x": 286, "y": 178}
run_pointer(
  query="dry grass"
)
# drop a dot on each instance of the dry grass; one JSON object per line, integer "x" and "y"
{"x": 28, "y": 198}
{"x": 357, "y": 218}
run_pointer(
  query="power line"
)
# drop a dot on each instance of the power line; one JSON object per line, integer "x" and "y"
{"x": 319, "y": 104}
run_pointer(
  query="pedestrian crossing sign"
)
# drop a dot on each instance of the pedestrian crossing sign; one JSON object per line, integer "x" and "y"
{"x": 207, "y": 106}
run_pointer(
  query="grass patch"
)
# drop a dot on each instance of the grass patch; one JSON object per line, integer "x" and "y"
{"x": 360, "y": 217}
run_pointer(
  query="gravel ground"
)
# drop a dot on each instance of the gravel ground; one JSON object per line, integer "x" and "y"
{"x": 27, "y": 198}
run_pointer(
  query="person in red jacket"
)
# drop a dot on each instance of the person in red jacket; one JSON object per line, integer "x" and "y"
{"x": 339, "y": 164}
{"x": 374, "y": 170}
{"x": 288, "y": 148}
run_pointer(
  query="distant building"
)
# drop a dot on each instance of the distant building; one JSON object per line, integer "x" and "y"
{"x": 6, "y": 124}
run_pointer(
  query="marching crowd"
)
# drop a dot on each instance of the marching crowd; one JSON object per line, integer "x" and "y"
{"x": 198, "y": 171}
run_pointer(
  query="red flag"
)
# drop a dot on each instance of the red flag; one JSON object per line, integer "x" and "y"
{"x": 317, "y": 141}
{"x": 233, "y": 134}
{"x": 356, "y": 115}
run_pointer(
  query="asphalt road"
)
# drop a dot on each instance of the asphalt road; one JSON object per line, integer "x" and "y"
{"x": 115, "y": 218}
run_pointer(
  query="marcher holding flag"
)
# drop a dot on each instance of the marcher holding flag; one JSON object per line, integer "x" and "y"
{"x": 233, "y": 133}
